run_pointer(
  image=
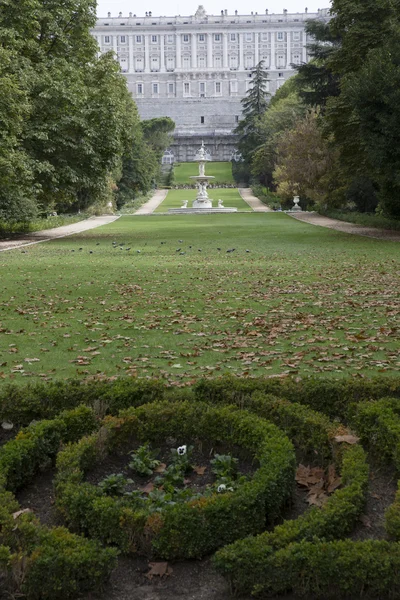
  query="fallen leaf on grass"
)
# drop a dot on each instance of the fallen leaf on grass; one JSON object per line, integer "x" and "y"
{"x": 158, "y": 569}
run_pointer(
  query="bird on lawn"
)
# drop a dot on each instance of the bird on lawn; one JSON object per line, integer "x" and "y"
{"x": 231, "y": 250}
{"x": 178, "y": 250}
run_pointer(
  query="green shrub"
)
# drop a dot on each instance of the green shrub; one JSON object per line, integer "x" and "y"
{"x": 38, "y": 444}
{"x": 246, "y": 562}
{"x": 59, "y": 565}
{"x": 378, "y": 424}
{"x": 187, "y": 529}
{"x": 392, "y": 517}
{"x": 338, "y": 569}
{"x": 330, "y": 396}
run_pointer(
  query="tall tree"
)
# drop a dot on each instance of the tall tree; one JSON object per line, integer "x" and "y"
{"x": 254, "y": 103}
{"x": 273, "y": 125}
{"x": 315, "y": 80}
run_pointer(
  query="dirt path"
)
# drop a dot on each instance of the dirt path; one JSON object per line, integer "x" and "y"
{"x": 150, "y": 206}
{"x": 372, "y": 232}
{"x": 58, "y": 232}
{"x": 252, "y": 201}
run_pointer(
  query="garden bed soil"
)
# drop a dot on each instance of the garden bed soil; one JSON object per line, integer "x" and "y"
{"x": 382, "y": 487}
{"x": 200, "y": 457}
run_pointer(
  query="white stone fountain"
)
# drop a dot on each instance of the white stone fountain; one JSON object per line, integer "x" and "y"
{"x": 202, "y": 203}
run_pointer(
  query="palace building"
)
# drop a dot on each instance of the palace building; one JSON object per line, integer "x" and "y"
{"x": 196, "y": 69}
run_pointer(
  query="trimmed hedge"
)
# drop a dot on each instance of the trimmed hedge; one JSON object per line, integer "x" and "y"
{"x": 32, "y": 447}
{"x": 246, "y": 562}
{"x": 339, "y": 569}
{"x": 330, "y": 396}
{"x": 310, "y": 431}
{"x": 37, "y": 562}
{"x": 378, "y": 424}
{"x": 184, "y": 530}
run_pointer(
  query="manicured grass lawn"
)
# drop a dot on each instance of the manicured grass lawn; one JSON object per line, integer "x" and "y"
{"x": 304, "y": 300}
{"x": 222, "y": 171}
{"x": 230, "y": 196}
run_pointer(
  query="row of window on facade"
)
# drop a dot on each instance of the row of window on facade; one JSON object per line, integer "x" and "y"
{"x": 201, "y": 37}
{"x": 200, "y": 88}
{"x": 249, "y": 62}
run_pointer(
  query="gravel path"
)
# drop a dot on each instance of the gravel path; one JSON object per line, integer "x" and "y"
{"x": 58, "y": 232}
{"x": 150, "y": 206}
{"x": 252, "y": 201}
{"x": 372, "y": 232}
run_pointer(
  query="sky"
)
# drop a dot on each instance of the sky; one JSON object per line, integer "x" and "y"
{"x": 213, "y": 7}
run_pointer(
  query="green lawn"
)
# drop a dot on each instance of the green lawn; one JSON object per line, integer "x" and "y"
{"x": 230, "y": 196}
{"x": 304, "y": 300}
{"x": 222, "y": 171}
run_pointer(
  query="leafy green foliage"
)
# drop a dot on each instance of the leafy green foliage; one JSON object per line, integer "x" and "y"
{"x": 114, "y": 484}
{"x": 224, "y": 466}
{"x": 143, "y": 460}
{"x": 70, "y": 118}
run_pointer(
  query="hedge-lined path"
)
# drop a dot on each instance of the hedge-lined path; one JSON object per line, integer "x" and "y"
{"x": 46, "y": 235}
{"x": 150, "y": 206}
{"x": 344, "y": 227}
{"x": 254, "y": 202}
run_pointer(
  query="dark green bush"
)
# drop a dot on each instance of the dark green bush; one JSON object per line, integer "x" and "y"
{"x": 392, "y": 517}
{"x": 330, "y": 396}
{"x": 338, "y": 569}
{"x": 378, "y": 424}
{"x": 246, "y": 561}
{"x": 39, "y": 443}
{"x": 63, "y": 566}
{"x": 189, "y": 529}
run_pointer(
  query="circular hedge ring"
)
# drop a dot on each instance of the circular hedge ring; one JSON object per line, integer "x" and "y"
{"x": 187, "y": 529}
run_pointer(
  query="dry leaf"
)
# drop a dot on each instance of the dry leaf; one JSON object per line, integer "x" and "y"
{"x": 161, "y": 468}
{"x": 365, "y": 521}
{"x": 147, "y": 488}
{"x": 349, "y": 439}
{"x": 24, "y": 511}
{"x": 158, "y": 569}
{"x": 199, "y": 470}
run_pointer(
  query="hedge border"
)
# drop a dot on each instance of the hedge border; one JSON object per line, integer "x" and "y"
{"x": 333, "y": 397}
{"x": 53, "y": 563}
{"x": 246, "y": 562}
{"x": 378, "y": 424}
{"x": 184, "y": 530}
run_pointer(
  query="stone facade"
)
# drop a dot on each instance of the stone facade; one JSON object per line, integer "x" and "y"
{"x": 196, "y": 69}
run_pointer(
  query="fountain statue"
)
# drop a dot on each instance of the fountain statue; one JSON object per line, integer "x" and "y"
{"x": 202, "y": 203}
{"x": 202, "y": 180}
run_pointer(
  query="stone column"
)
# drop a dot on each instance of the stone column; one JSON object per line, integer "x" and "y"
{"x": 131, "y": 65}
{"x": 225, "y": 50}
{"x": 209, "y": 51}
{"x": 115, "y": 44}
{"x": 162, "y": 54}
{"x": 178, "y": 51}
{"x": 194, "y": 50}
{"x": 146, "y": 54}
{"x": 241, "y": 65}
{"x": 273, "y": 58}
{"x": 256, "y": 47}
{"x": 304, "y": 46}
{"x": 289, "y": 49}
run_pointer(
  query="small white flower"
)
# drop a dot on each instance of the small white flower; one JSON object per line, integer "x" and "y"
{"x": 221, "y": 488}
{"x": 182, "y": 450}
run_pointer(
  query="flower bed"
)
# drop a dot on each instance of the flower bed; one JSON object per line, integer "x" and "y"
{"x": 188, "y": 529}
